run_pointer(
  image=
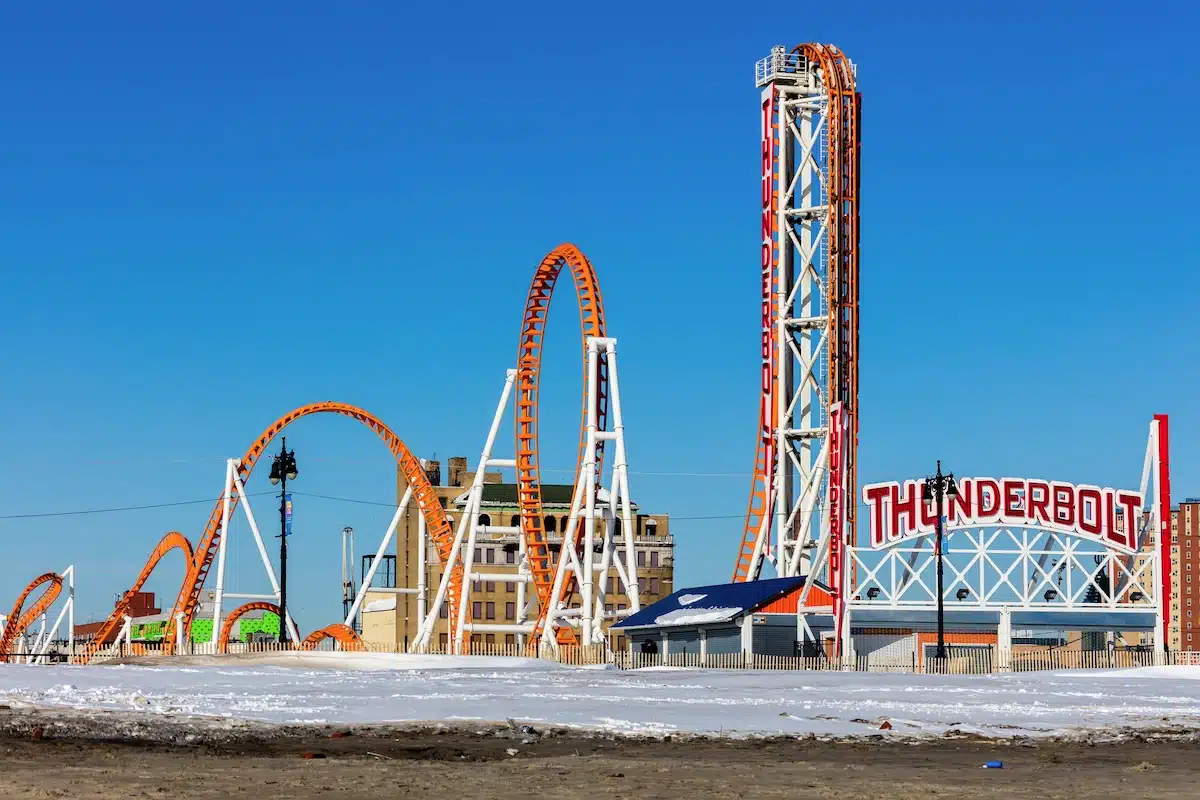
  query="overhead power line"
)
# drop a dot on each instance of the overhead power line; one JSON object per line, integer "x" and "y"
{"x": 85, "y": 511}
{"x": 354, "y": 500}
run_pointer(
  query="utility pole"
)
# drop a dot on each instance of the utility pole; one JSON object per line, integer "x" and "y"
{"x": 283, "y": 469}
{"x": 349, "y": 590}
{"x": 938, "y": 488}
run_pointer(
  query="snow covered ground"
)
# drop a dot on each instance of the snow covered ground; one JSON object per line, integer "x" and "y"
{"x": 366, "y": 688}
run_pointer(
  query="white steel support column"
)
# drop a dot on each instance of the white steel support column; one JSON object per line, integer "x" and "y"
{"x": 524, "y": 571}
{"x": 588, "y": 479}
{"x": 42, "y": 646}
{"x": 1004, "y": 640}
{"x": 464, "y": 549}
{"x": 71, "y": 617}
{"x": 422, "y": 567}
{"x": 579, "y": 563}
{"x": 349, "y": 590}
{"x": 219, "y": 597}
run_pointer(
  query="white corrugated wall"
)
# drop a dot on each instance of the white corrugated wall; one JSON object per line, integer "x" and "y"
{"x": 885, "y": 646}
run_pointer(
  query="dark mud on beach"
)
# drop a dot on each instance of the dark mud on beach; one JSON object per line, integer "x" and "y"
{"x": 46, "y": 753}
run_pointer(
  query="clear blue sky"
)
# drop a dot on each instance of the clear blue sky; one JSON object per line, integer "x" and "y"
{"x": 211, "y": 216}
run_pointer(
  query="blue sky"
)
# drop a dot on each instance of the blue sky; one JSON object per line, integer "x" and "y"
{"x": 214, "y": 215}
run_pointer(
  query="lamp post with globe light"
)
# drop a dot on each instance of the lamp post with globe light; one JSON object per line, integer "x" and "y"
{"x": 939, "y": 487}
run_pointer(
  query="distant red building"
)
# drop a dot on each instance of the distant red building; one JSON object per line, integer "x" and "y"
{"x": 142, "y": 605}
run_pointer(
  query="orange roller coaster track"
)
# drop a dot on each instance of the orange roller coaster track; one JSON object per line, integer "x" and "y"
{"x": 199, "y": 562}
{"x": 238, "y": 613}
{"x": 188, "y": 602}
{"x": 346, "y": 637}
{"x": 529, "y": 373}
{"x": 18, "y": 623}
{"x": 111, "y": 627}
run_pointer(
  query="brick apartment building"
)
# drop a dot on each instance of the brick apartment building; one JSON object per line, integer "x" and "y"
{"x": 1185, "y": 541}
{"x": 392, "y": 619}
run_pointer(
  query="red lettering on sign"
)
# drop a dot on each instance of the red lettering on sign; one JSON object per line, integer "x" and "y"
{"x": 962, "y": 506}
{"x": 1130, "y": 505}
{"x": 905, "y": 507}
{"x": 1107, "y": 515}
{"x": 1013, "y": 490}
{"x": 767, "y": 410}
{"x": 875, "y": 496}
{"x": 1088, "y": 509}
{"x": 1064, "y": 504}
{"x": 1037, "y": 501}
{"x": 987, "y": 500}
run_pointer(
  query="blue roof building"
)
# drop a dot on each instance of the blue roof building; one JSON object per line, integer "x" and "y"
{"x": 756, "y": 617}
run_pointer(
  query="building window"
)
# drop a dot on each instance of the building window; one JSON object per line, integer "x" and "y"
{"x": 444, "y": 611}
{"x": 510, "y": 640}
{"x": 490, "y": 640}
{"x": 484, "y": 519}
{"x": 612, "y": 584}
{"x": 515, "y": 521}
{"x": 608, "y": 608}
{"x": 510, "y": 587}
{"x": 641, "y": 558}
{"x": 489, "y": 586}
{"x": 654, "y": 586}
{"x": 491, "y": 610}
{"x": 510, "y": 610}
{"x": 442, "y": 641}
{"x": 620, "y": 606}
{"x": 654, "y": 558}
{"x": 551, "y": 524}
{"x": 477, "y": 610}
{"x": 491, "y": 555}
{"x": 478, "y": 555}
{"x": 510, "y": 556}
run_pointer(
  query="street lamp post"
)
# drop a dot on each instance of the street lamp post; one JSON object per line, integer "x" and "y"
{"x": 938, "y": 488}
{"x": 283, "y": 469}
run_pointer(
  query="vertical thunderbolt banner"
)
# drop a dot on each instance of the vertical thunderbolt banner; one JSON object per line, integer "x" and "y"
{"x": 767, "y": 412}
{"x": 287, "y": 515}
{"x": 837, "y": 519}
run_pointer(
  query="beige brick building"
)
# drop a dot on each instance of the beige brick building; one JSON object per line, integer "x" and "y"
{"x": 396, "y": 622}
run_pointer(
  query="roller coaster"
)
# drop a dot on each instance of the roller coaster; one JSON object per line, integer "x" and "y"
{"x": 199, "y": 560}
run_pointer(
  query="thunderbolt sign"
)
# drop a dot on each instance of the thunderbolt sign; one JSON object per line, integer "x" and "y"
{"x": 897, "y": 513}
